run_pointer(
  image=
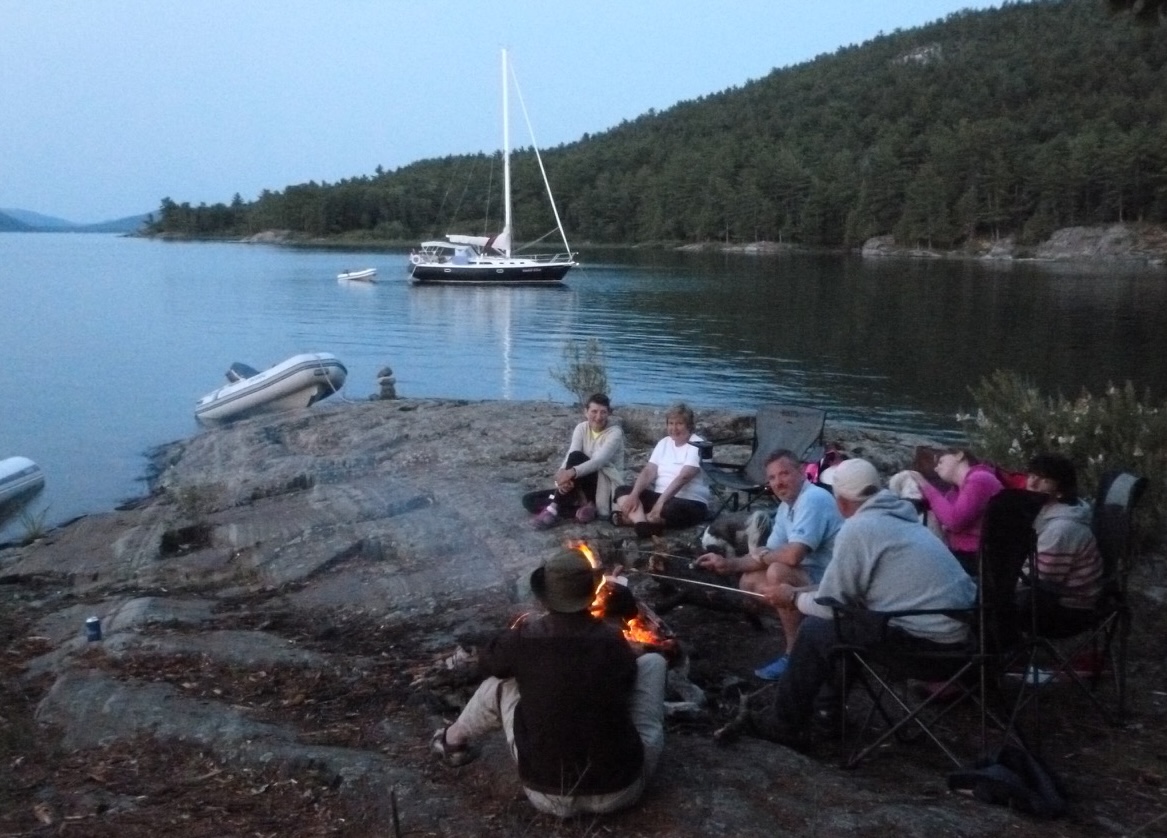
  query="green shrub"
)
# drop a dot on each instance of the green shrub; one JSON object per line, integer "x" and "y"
{"x": 34, "y": 525}
{"x": 584, "y": 370}
{"x": 1115, "y": 430}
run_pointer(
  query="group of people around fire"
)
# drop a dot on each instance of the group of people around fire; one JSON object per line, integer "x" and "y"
{"x": 582, "y": 712}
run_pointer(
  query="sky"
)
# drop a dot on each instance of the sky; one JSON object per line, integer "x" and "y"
{"x": 108, "y": 107}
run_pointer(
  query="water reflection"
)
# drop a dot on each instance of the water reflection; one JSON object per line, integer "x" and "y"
{"x": 889, "y": 340}
{"x": 117, "y": 338}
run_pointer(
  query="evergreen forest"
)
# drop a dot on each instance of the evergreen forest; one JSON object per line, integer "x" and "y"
{"x": 1019, "y": 120}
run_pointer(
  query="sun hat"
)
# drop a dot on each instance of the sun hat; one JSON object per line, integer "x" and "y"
{"x": 566, "y": 582}
{"x": 855, "y": 479}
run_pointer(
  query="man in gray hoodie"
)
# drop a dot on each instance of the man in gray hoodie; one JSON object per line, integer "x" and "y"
{"x": 883, "y": 560}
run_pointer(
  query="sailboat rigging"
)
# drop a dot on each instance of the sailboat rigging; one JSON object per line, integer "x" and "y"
{"x": 489, "y": 260}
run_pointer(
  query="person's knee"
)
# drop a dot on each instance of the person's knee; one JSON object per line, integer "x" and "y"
{"x": 753, "y": 581}
{"x": 652, "y": 667}
{"x": 778, "y": 573}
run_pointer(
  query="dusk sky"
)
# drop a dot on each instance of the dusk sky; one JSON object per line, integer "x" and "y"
{"x": 108, "y": 107}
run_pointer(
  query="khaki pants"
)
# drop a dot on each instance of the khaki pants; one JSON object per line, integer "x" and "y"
{"x": 493, "y": 707}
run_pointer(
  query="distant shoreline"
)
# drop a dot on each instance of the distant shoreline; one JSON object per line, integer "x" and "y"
{"x": 1108, "y": 244}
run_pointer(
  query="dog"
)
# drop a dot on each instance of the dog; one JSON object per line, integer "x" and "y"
{"x": 732, "y": 537}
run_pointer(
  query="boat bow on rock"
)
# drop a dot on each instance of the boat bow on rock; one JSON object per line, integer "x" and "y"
{"x": 300, "y": 381}
{"x": 20, "y": 480}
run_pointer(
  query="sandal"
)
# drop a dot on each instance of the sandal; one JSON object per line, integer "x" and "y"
{"x": 454, "y": 756}
{"x": 617, "y": 518}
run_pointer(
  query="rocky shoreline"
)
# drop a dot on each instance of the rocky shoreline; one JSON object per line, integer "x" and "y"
{"x": 298, "y": 594}
{"x": 1126, "y": 243}
{"x": 1134, "y": 244}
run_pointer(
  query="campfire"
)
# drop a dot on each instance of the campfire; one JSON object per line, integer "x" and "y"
{"x": 615, "y": 601}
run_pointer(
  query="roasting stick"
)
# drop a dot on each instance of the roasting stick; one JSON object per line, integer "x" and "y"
{"x": 688, "y": 559}
{"x": 695, "y": 582}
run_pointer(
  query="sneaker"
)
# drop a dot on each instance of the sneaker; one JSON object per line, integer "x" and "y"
{"x": 546, "y": 519}
{"x": 774, "y": 669}
{"x": 586, "y": 513}
{"x": 454, "y": 756}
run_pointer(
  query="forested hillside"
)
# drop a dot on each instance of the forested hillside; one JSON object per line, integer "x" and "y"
{"x": 1020, "y": 120}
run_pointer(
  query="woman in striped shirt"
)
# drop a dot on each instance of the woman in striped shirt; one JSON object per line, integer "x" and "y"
{"x": 1068, "y": 572}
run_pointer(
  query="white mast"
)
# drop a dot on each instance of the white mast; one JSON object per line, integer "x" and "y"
{"x": 506, "y": 160}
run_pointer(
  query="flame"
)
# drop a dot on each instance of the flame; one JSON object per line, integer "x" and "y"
{"x": 639, "y": 629}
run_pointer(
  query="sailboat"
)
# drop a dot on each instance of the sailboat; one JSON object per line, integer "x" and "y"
{"x": 489, "y": 260}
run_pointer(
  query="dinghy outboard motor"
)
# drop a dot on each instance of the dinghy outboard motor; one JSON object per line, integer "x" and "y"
{"x": 238, "y": 372}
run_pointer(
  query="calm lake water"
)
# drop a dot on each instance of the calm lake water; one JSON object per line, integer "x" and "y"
{"x": 110, "y": 341}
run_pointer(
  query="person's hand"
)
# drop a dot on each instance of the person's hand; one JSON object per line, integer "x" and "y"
{"x": 654, "y": 515}
{"x": 716, "y": 562}
{"x": 626, "y": 503}
{"x": 565, "y": 480}
{"x": 759, "y": 553}
{"x": 782, "y": 595}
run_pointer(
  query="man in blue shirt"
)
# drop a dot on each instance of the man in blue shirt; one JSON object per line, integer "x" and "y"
{"x": 797, "y": 552}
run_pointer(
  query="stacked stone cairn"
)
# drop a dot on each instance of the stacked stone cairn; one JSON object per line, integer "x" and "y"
{"x": 388, "y": 384}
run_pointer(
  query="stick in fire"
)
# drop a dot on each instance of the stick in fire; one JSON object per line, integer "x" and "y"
{"x": 614, "y": 600}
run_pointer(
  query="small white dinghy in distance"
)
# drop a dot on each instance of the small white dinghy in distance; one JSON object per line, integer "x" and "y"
{"x": 300, "y": 381}
{"x": 366, "y": 275}
{"x": 20, "y": 480}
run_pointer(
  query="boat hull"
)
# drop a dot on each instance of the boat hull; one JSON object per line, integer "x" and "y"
{"x": 529, "y": 274}
{"x": 20, "y": 480}
{"x": 300, "y": 381}
{"x": 367, "y": 275}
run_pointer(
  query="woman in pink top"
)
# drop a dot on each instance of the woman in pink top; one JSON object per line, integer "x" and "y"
{"x": 961, "y": 509}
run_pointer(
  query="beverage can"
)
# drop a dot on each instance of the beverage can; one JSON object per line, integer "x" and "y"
{"x": 93, "y": 629}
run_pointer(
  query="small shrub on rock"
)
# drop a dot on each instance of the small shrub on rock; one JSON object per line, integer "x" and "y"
{"x": 584, "y": 370}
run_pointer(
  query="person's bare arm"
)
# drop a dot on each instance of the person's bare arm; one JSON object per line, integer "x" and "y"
{"x": 790, "y": 554}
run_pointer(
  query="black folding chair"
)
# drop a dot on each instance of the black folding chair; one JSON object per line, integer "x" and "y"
{"x": 798, "y": 429}
{"x": 1082, "y": 657}
{"x": 956, "y": 676}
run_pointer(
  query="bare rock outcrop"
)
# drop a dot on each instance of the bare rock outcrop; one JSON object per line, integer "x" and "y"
{"x": 1141, "y": 244}
{"x": 344, "y": 554}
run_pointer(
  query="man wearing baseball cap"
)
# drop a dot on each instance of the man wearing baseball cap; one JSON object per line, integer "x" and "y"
{"x": 883, "y": 560}
{"x": 582, "y": 714}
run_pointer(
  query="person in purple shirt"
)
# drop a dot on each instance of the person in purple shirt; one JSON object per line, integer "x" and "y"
{"x": 961, "y": 508}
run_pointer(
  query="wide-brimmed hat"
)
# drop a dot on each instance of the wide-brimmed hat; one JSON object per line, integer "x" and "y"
{"x": 566, "y": 582}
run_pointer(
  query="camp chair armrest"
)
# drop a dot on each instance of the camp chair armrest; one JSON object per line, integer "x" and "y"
{"x": 715, "y": 465}
{"x": 882, "y": 619}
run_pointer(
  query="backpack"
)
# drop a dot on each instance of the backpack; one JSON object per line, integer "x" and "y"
{"x": 1013, "y": 777}
{"x": 816, "y": 472}
{"x": 1010, "y": 479}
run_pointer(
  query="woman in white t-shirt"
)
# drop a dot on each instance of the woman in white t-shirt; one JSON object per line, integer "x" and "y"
{"x": 671, "y": 490}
